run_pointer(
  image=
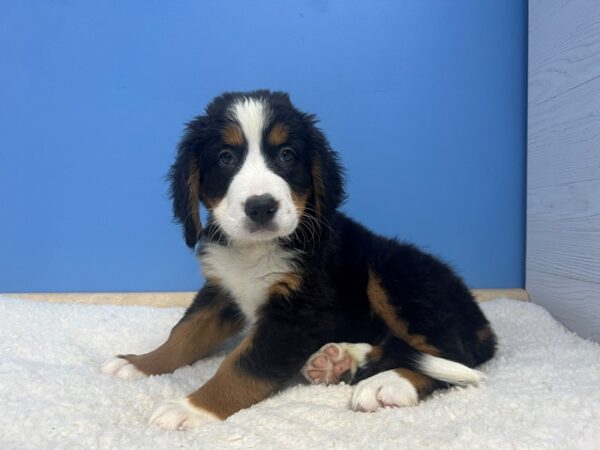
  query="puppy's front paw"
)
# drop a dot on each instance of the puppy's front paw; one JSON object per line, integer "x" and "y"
{"x": 121, "y": 368}
{"x": 384, "y": 389}
{"x": 180, "y": 415}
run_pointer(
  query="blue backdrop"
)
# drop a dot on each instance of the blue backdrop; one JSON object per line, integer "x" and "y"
{"x": 425, "y": 100}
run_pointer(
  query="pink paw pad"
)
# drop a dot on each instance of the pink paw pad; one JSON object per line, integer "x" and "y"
{"x": 329, "y": 365}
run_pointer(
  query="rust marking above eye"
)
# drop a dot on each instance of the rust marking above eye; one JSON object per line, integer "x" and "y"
{"x": 422, "y": 383}
{"x": 278, "y": 135}
{"x": 232, "y": 135}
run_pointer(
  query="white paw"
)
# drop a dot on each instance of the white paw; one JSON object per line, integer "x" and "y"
{"x": 121, "y": 368}
{"x": 180, "y": 415}
{"x": 384, "y": 389}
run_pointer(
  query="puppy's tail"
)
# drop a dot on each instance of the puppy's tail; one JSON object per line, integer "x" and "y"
{"x": 448, "y": 371}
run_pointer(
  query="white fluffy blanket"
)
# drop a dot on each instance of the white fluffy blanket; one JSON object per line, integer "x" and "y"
{"x": 542, "y": 390}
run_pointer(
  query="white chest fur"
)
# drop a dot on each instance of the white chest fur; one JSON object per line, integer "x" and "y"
{"x": 247, "y": 271}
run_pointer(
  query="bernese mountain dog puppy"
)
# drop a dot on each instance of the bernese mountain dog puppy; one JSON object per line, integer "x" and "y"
{"x": 322, "y": 295}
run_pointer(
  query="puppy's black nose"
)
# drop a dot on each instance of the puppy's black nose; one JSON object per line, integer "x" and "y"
{"x": 261, "y": 208}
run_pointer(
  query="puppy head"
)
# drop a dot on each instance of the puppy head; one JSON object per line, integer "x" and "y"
{"x": 258, "y": 164}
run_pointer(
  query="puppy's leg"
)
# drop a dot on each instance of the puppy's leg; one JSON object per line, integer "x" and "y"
{"x": 380, "y": 384}
{"x": 439, "y": 318}
{"x": 228, "y": 391}
{"x": 260, "y": 365}
{"x": 210, "y": 320}
{"x": 396, "y": 374}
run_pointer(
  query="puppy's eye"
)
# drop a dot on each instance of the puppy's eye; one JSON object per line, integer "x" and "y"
{"x": 286, "y": 157}
{"x": 226, "y": 158}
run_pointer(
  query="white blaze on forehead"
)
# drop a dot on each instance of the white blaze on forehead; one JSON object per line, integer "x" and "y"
{"x": 252, "y": 115}
{"x": 254, "y": 178}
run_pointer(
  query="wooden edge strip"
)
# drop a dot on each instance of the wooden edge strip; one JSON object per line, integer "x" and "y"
{"x": 170, "y": 299}
{"x": 484, "y": 295}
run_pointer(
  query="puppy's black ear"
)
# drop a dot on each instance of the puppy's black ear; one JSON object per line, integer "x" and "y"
{"x": 185, "y": 181}
{"x": 326, "y": 171}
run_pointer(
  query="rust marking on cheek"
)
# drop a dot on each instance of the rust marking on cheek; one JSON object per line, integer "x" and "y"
{"x": 380, "y": 303}
{"x": 278, "y": 134}
{"x": 211, "y": 203}
{"x": 232, "y": 135}
{"x": 231, "y": 389}
{"x": 286, "y": 285}
{"x": 300, "y": 203}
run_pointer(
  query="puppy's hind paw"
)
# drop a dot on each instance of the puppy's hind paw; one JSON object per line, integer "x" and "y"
{"x": 386, "y": 389}
{"x": 334, "y": 363}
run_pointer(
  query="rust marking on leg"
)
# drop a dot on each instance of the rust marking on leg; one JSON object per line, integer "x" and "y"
{"x": 485, "y": 333}
{"x": 422, "y": 383}
{"x": 231, "y": 389}
{"x": 190, "y": 340}
{"x": 375, "y": 354}
{"x": 380, "y": 303}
